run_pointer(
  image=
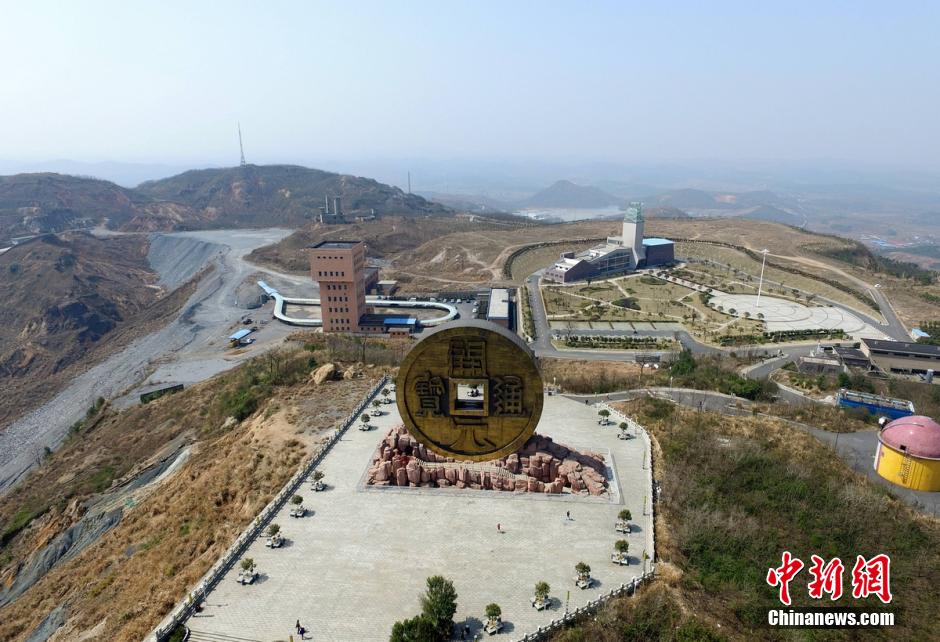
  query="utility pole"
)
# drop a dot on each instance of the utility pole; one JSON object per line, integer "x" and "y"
{"x": 241, "y": 148}
{"x": 760, "y": 286}
{"x": 409, "y": 182}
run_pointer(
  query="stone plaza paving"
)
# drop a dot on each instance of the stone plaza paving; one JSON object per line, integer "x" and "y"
{"x": 783, "y": 315}
{"x": 358, "y": 561}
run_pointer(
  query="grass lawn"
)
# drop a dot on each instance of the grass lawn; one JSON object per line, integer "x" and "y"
{"x": 736, "y": 493}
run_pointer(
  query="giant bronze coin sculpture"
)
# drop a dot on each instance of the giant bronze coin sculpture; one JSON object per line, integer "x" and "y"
{"x": 471, "y": 391}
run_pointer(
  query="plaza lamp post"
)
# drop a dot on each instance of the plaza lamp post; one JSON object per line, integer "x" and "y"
{"x": 760, "y": 285}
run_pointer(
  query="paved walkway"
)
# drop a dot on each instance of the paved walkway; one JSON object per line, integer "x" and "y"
{"x": 359, "y": 562}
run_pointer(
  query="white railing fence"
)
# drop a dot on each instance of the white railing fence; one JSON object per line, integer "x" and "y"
{"x": 184, "y": 609}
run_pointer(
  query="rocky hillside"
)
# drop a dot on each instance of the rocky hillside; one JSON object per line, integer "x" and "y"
{"x": 285, "y": 195}
{"x": 385, "y": 238}
{"x": 62, "y": 296}
{"x": 39, "y": 203}
{"x": 252, "y": 196}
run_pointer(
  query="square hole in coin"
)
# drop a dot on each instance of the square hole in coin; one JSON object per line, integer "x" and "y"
{"x": 468, "y": 397}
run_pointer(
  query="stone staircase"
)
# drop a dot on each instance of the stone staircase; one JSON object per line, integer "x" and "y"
{"x": 476, "y": 467}
{"x": 202, "y": 636}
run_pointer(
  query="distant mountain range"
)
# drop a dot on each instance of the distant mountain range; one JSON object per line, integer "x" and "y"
{"x": 565, "y": 194}
{"x": 250, "y": 196}
{"x": 677, "y": 203}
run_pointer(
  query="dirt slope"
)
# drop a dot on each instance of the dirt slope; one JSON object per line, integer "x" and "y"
{"x": 64, "y": 296}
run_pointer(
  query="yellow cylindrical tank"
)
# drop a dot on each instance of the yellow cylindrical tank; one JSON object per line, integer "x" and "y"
{"x": 909, "y": 453}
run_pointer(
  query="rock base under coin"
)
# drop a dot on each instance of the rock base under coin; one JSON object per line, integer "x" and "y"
{"x": 540, "y": 466}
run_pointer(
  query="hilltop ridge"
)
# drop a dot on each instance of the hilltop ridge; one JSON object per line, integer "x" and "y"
{"x": 249, "y": 196}
{"x": 567, "y": 194}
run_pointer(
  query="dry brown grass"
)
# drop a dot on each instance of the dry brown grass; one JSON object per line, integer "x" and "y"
{"x": 590, "y": 376}
{"x": 128, "y": 580}
{"x": 755, "y": 235}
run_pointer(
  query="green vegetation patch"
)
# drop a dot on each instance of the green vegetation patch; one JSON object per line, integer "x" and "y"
{"x": 629, "y": 303}
{"x": 736, "y": 494}
{"x": 619, "y": 343}
{"x": 688, "y": 372}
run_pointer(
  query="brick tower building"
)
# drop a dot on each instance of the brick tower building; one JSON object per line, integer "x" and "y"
{"x": 339, "y": 268}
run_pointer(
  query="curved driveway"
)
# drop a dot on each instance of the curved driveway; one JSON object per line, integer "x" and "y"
{"x": 280, "y": 301}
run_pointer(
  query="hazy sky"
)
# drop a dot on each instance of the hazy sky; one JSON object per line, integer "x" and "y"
{"x": 561, "y": 81}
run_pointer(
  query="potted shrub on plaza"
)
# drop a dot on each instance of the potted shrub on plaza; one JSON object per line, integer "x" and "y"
{"x": 365, "y": 421}
{"x": 385, "y": 393}
{"x": 623, "y": 430}
{"x": 623, "y": 521}
{"x": 493, "y": 618}
{"x": 375, "y": 404}
{"x": 583, "y": 579}
{"x": 298, "y": 509}
{"x": 604, "y": 414}
{"x": 621, "y": 546}
{"x": 318, "y": 481}
{"x": 247, "y": 573}
{"x": 540, "y": 601}
{"x": 274, "y": 536}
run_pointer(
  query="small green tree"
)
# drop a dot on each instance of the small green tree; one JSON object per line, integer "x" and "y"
{"x": 376, "y": 403}
{"x": 604, "y": 413}
{"x": 273, "y": 530}
{"x": 248, "y": 564}
{"x": 364, "y": 419}
{"x": 623, "y": 426}
{"x": 684, "y": 364}
{"x": 492, "y": 611}
{"x": 418, "y": 629}
{"x": 622, "y": 546}
{"x": 439, "y": 604}
{"x": 541, "y": 591}
{"x": 583, "y": 570}
{"x": 386, "y": 392}
{"x": 296, "y": 500}
{"x": 317, "y": 475}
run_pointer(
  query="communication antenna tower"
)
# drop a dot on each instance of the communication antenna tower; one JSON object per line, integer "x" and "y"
{"x": 241, "y": 147}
